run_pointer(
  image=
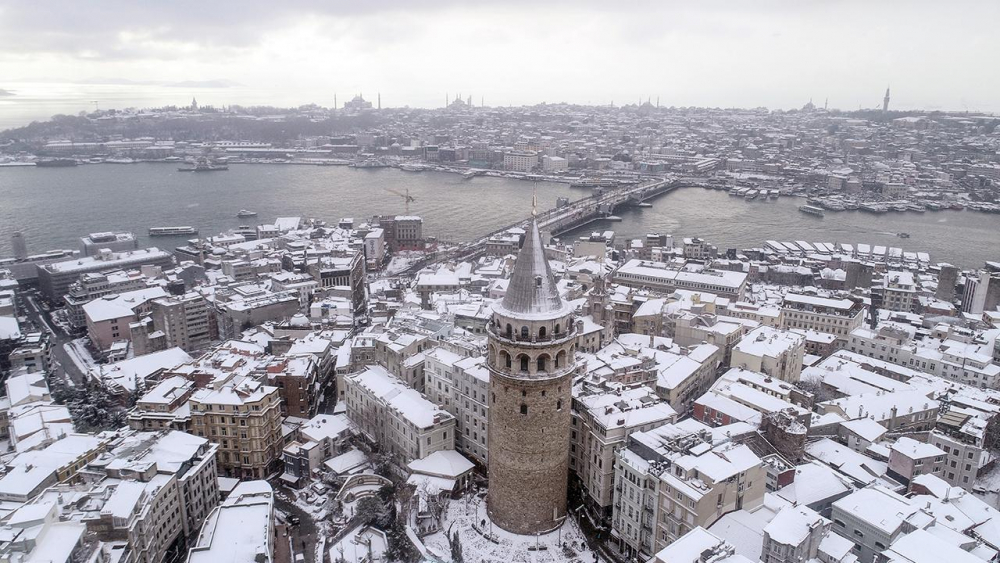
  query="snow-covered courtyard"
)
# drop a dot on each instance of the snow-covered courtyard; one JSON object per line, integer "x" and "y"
{"x": 491, "y": 544}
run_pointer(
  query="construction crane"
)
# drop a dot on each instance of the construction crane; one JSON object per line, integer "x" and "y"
{"x": 406, "y": 197}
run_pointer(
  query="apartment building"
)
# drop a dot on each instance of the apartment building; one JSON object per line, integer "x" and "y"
{"x": 161, "y": 461}
{"x": 94, "y": 285}
{"x": 672, "y": 479}
{"x": 873, "y": 518}
{"x": 55, "y": 278}
{"x": 183, "y": 321}
{"x": 459, "y": 384}
{"x": 776, "y": 353}
{"x": 604, "y": 416}
{"x": 396, "y": 416}
{"x": 248, "y": 306}
{"x": 947, "y": 352}
{"x": 108, "y": 317}
{"x": 243, "y": 417}
{"x": 240, "y": 529}
{"x": 833, "y": 316}
{"x": 297, "y": 380}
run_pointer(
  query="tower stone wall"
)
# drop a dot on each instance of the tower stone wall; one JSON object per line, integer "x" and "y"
{"x": 532, "y": 359}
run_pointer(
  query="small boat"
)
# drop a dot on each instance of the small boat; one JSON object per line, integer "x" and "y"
{"x": 957, "y": 206}
{"x": 903, "y": 235}
{"x": 246, "y": 213}
{"x": 812, "y": 210}
{"x": 412, "y": 167}
{"x": 171, "y": 231}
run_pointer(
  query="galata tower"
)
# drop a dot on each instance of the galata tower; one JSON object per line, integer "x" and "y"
{"x": 531, "y": 361}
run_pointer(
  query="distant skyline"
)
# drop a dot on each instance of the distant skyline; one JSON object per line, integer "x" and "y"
{"x": 773, "y": 53}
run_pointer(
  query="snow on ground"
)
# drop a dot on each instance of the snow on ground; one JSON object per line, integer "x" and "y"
{"x": 508, "y": 547}
{"x": 988, "y": 487}
{"x": 77, "y": 351}
{"x": 307, "y": 501}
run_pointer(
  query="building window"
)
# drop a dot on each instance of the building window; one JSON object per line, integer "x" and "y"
{"x": 524, "y": 408}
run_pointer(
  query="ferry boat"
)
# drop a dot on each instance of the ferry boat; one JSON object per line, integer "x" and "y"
{"x": 874, "y": 207}
{"x": 370, "y": 163}
{"x": 812, "y": 210}
{"x": 203, "y": 165}
{"x": 171, "y": 231}
{"x": 246, "y": 213}
{"x": 750, "y": 195}
{"x": 56, "y": 162}
{"x": 412, "y": 167}
{"x": 470, "y": 174}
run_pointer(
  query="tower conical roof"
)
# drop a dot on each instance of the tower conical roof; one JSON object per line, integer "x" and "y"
{"x": 532, "y": 289}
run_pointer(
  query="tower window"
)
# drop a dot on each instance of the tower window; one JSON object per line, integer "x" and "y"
{"x": 510, "y": 331}
{"x": 524, "y": 333}
{"x": 559, "y": 405}
{"x": 524, "y": 363}
{"x": 524, "y": 408}
{"x": 541, "y": 363}
{"x": 541, "y": 332}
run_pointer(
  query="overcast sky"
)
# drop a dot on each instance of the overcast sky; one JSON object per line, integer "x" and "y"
{"x": 779, "y": 54}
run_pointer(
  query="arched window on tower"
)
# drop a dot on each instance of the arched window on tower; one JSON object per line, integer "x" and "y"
{"x": 505, "y": 359}
{"x": 557, "y": 330}
{"x": 524, "y": 363}
{"x": 524, "y": 408}
{"x": 541, "y": 333}
{"x": 524, "y": 333}
{"x": 561, "y": 358}
{"x": 542, "y": 362}
{"x": 510, "y": 331}
{"x": 559, "y": 405}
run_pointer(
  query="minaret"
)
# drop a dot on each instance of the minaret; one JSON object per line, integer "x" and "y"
{"x": 885, "y": 100}
{"x": 531, "y": 360}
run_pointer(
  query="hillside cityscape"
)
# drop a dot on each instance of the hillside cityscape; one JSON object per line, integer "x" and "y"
{"x": 356, "y": 331}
